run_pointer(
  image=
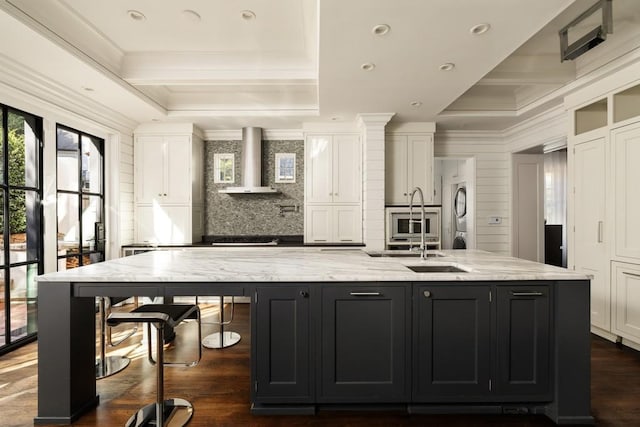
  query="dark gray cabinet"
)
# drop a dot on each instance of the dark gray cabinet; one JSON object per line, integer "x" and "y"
{"x": 487, "y": 347}
{"x": 365, "y": 334}
{"x": 482, "y": 343}
{"x": 452, "y": 347}
{"x": 281, "y": 324}
{"x": 523, "y": 342}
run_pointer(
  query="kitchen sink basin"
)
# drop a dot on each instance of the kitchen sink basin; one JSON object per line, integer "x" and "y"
{"x": 436, "y": 269}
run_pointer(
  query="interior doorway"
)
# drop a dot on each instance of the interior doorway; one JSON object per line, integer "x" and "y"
{"x": 455, "y": 193}
{"x": 539, "y": 195}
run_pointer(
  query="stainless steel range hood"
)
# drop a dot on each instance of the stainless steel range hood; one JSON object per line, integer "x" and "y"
{"x": 251, "y": 165}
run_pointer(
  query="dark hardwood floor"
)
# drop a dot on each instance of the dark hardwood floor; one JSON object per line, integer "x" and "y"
{"x": 219, "y": 389}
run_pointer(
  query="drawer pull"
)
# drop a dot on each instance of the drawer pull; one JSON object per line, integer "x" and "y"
{"x": 526, "y": 294}
{"x": 365, "y": 294}
{"x": 304, "y": 294}
{"x": 427, "y": 294}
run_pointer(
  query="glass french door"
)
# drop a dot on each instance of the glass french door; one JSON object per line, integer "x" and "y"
{"x": 80, "y": 198}
{"x": 21, "y": 225}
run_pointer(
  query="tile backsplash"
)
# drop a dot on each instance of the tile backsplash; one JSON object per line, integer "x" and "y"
{"x": 255, "y": 214}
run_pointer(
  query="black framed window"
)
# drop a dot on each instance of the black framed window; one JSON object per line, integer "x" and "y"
{"x": 80, "y": 198}
{"x": 21, "y": 259}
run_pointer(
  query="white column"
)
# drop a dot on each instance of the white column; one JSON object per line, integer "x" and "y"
{"x": 372, "y": 132}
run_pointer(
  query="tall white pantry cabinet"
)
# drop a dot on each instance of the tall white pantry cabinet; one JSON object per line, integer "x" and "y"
{"x": 169, "y": 187}
{"x": 604, "y": 200}
{"x": 333, "y": 188}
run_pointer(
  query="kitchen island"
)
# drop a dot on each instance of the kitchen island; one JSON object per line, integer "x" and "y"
{"x": 466, "y": 332}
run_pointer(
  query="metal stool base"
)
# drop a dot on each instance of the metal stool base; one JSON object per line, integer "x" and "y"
{"x": 177, "y": 413}
{"x": 228, "y": 339}
{"x": 112, "y": 365}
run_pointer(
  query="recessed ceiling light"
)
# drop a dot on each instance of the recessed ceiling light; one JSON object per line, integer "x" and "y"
{"x": 381, "y": 30}
{"x": 136, "y": 15}
{"x": 416, "y": 104}
{"x": 480, "y": 29}
{"x": 368, "y": 66}
{"x": 248, "y": 15}
{"x": 191, "y": 15}
{"x": 447, "y": 66}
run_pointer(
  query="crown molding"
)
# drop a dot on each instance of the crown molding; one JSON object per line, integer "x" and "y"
{"x": 469, "y": 137}
{"x": 373, "y": 119}
{"x": 37, "y": 90}
{"x": 412, "y": 127}
{"x": 267, "y": 135}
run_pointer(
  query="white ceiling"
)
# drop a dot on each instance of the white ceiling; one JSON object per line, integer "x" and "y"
{"x": 298, "y": 60}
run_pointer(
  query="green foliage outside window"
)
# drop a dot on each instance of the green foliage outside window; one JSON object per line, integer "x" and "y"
{"x": 17, "y": 207}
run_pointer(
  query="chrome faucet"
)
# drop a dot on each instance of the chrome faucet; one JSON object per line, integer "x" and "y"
{"x": 423, "y": 246}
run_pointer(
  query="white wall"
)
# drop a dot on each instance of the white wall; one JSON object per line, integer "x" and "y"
{"x": 492, "y": 186}
{"x": 118, "y": 167}
{"x": 126, "y": 190}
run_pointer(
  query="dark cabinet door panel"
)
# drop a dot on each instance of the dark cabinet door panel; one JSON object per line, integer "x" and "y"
{"x": 364, "y": 344}
{"x": 452, "y": 343}
{"x": 523, "y": 341}
{"x": 282, "y": 343}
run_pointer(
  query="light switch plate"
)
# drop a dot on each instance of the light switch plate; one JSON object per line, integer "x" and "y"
{"x": 495, "y": 220}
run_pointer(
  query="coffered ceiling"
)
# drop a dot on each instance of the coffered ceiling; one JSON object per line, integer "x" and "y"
{"x": 276, "y": 64}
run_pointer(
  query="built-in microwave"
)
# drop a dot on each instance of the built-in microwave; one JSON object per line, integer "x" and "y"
{"x": 398, "y": 229}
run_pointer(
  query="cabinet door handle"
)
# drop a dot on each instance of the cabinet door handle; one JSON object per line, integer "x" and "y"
{"x": 526, "y": 294}
{"x": 365, "y": 294}
{"x": 427, "y": 294}
{"x": 600, "y": 227}
{"x": 630, "y": 274}
{"x": 304, "y": 294}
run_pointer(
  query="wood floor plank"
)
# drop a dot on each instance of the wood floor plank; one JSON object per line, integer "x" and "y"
{"x": 219, "y": 388}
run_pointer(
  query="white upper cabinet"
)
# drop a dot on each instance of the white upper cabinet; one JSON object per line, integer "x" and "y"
{"x": 333, "y": 189}
{"x": 169, "y": 185}
{"x": 626, "y": 175}
{"x": 164, "y": 169}
{"x": 408, "y": 164}
{"x": 332, "y": 169}
{"x": 347, "y": 160}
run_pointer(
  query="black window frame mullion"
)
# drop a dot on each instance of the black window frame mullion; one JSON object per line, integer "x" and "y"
{"x": 80, "y": 192}
{"x": 38, "y": 129}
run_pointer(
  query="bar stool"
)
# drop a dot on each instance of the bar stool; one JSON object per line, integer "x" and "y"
{"x": 174, "y": 412}
{"x": 109, "y": 365}
{"x": 222, "y": 338}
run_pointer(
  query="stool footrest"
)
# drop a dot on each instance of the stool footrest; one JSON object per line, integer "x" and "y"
{"x": 177, "y": 413}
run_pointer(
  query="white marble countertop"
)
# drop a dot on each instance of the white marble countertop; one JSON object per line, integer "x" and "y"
{"x": 304, "y": 264}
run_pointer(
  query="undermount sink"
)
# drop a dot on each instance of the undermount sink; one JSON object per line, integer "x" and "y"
{"x": 435, "y": 269}
{"x": 403, "y": 254}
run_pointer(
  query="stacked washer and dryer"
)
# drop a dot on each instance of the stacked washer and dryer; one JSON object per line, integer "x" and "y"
{"x": 460, "y": 216}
